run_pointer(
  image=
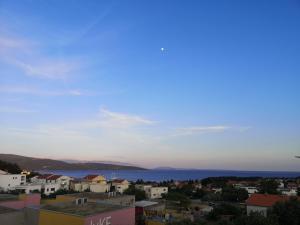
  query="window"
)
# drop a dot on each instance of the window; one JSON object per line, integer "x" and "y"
{"x": 52, "y": 189}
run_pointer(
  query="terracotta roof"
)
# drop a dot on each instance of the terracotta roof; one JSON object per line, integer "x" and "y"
{"x": 90, "y": 177}
{"x": 118, "y": 180}
{"x": 265, "y": 200}
{"x": 54, "y": 177}
{"x": 44, "y": 176}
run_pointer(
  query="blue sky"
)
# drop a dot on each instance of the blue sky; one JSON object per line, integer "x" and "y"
{"x": 89, "y": 80}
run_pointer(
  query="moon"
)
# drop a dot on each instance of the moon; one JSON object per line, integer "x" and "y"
{"x": 162, "y": 49}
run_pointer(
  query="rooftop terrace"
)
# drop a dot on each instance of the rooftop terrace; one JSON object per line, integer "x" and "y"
{"x": 87, "y": 209}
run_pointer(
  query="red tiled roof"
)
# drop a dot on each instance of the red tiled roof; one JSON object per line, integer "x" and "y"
{"x": 54, "y": 177}
{"x": 90, "y": 177}
{"x": 265, "y": 200}
{"x": 44, "y": 176}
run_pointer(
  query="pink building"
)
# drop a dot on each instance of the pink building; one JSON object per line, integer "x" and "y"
{"x": 117, "y": 217}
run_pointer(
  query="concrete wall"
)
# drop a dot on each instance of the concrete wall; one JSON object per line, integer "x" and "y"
{"x": 12, "y": 218}
{"x": 125, "y": 200}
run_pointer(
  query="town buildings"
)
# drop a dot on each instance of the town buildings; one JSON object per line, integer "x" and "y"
{"x": 94, "y": 178}
{"x": 262, "y": 202}
{"x": 93, "y": 183}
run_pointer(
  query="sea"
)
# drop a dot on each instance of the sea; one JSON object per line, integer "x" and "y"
{"x": 164, "y": 175}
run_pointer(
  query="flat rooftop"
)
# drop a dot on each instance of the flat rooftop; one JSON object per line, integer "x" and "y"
{"x": 8, "y": 197}
{"x": 145, "y": 203}
{"x": 87, "y": 209}
{"x": 95, "y": 196}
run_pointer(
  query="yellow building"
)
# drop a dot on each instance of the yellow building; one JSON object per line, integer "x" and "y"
{"x": 92, "y": 178}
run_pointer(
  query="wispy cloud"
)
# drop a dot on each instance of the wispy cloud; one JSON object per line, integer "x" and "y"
{"x": 207, "y": 129}
{"x": 41, "y": 92}
{"x": 48, "y": 68}
{"x": 113, "y": 119}
{"x": 27, "y": 56}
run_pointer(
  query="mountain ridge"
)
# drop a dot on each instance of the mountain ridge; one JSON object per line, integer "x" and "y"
{"x": 38, "y": 164}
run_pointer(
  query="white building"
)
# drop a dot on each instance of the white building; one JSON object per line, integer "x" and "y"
{"x": 63, "y": 181}
{"x": 156, "y": 192}
{"x": 143, "y": 187}
{"x": 120, "y": 185}
{"x": 152, "y": 192}
{"x": 40, "y": 179}
{"x": 10, "y": 181}
{"x": 79, "y": 186}
{"x": 50, "y": 188}
{"x": 260, "y": 203}
{"x": 29, "y": 188}
{"x": 250, "y": 190}
{"x": 288, "y": 191}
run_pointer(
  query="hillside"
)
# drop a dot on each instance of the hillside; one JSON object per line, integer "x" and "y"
{"x": 35, "y": 164}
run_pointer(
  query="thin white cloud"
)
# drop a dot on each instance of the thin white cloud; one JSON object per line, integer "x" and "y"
{"x": 121, "y": 119}
{"x": 40, "y": 92}
{"x": 50, "y": 69}
{"x": 207, "y": 129}
{"x": 28, "y": 57}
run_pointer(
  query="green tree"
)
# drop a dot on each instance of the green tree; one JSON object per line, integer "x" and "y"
{"x": 255, "y": 219}
{"x": 139, "y": 194}
{"x": 287, "y": 212}
{"x": 224, "y": 209}
{"x": 182, "y": 199}
{"x": 10, "y": 167}
{"x": 268, "y": 186}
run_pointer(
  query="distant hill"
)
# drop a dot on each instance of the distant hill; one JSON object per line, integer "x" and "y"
{"x": 35, "y": 164}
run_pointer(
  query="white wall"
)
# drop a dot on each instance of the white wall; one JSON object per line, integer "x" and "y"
{"x": 10, "y": 181}
{"x": 156, "y": 192}
{"x": 29, "y": 188}
{"x": 121, "y": 187}
{"x": 259, "y": 209}
{"x": 50, "y": 188}
{"x": 99, "y": 188}
{"x": 64, "y": 182}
